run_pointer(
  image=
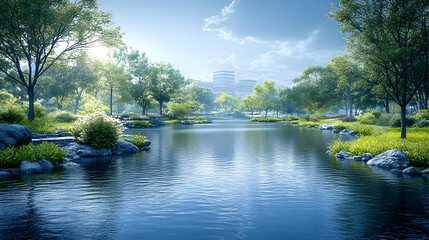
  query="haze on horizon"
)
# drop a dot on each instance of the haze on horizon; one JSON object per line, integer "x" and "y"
{"x": 257, "y": 39}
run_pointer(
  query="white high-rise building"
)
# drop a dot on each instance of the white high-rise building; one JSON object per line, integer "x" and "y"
{"x": 244, "y": 88}
{"x": 223, "y": 82}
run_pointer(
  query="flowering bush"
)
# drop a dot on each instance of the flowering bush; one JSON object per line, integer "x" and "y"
{"x": 98, "y": 130}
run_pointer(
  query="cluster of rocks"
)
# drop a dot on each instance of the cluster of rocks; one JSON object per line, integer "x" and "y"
{"x": 394, "y": 160}
{"x": 17, "y": 135}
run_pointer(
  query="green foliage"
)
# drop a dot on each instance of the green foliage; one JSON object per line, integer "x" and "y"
{"x": 396, "y": 121}
{"x": 137, "y": 140}
{"x": 422, "y": 123}
{"x": 316, "y": 117}
{"x": 376, "y": 113}
{"x": 12, "y": 157}
{"x": 339, "y": 127}
{"x": 64, "y": 116}
{"x": 93, "y": 106}
{"x": 181, "y": 110}
{"x": 98, "y": 130}
{"x": 348, "y": 119}
{"x": 415, "y": 146}
{"x": 292, "y": 118}
{"x": 142, "y": 124}
{"x": 11, "y": 114}
{"x": 229, "y": 103}
{"x": 303, "y": 123}
{"x": 266, "y": 119}
{"x": 423, "y": 114}
{"x": 39, "y": 110}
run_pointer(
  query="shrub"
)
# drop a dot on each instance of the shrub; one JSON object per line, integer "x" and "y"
{"x": 93, "y": 106}
{"x": 423, "y": 114}
{"x": 98, "y": 130}
{"x": 422, "y": 123}
{"x": 376, "y": 113}
{"x": 143, "y": 124}
{"x": 348, "y": 119}
{"x": 362, "y": 129}
{"x": 307, "y": 124}
{"x": 396, "y": 121}
{"x": 64, "y": 116}
{"x": 368, "y": 118}
{"x": 339, "y": 127}
{"x": 317, "y": 117}
{"x": 137, "y": 140}
{"x": 39, "y": 110}
{"x": 292, "y": 118}
{"x": 266, "y": 119}
{"x": 12, "y": 157}
{"x": 11, "y": 114}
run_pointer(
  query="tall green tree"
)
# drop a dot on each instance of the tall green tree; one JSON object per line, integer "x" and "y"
{"x": 203, "y": 96}
{"x": 114, "y": 77}
{"x": 266, "y": 95}
{"x": 35, "y": 34}
{"x": 250, "y": 103}
{"x": 228, "y": 103}
{"x": 139, "y": 83}
{"x": 389, "y": 36}
{"x": 165, "y": 81}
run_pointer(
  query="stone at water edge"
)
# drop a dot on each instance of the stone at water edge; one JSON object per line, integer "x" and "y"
{"x": 14, "y": 135}
{"x": 342, "y": 154}
{"x": 390, "y": 159}
{"x": 46, "y": 165}
{"x": 347, "y": 132}
{"x": 147, "y": 143}
{"x": 125, "y": 147}
{"x": 357, "y": 158}
{"x": 187, "y": 122}
{"x": 30, "y": 167}
{"x": 366, "y": 156}
{"x": 411, "y": 171}
{"x": 326, "y": 127}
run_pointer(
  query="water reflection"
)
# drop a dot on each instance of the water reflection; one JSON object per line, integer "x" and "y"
{"x": 227, "y": 180}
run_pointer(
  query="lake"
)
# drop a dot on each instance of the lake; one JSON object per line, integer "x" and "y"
{"x": 227, "y": 180}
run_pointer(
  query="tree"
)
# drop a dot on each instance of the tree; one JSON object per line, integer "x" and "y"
{"x": 139, "y": 83}
{"x": 348, "y": 74}
{"x": 60, "y": 84}
{"x": 389, "y": 36}
{"x": 229, "y": 103}
{"x": 250, "y": 103}
{"x": 114, "y": 76}
{"x": 81, "y": 75}
{"x": 35, "y": 34}
{"x": 181, "y": 110}
{"x": 203, "y": 96}
{"x": 265, "y": 95}
{"x": 165, "y": 80}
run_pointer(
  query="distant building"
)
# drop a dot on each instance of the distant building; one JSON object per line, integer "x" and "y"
{"x": 202, "y": 84}
{"x": 223, "y": 82}
{"x": 244, "y": 88}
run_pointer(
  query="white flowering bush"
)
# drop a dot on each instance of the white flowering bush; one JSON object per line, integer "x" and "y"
{"x": 98, "y": 130}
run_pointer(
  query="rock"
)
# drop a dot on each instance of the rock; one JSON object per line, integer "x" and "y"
{"x": 76, "y": 151}
{"x": 425, "y": 172}
{"x": 30, "y": 167}
{"x": 411, "y": 171}
{"x": 342, "y": 154}
{"x": 357, "y": 158}
{"x": 46, "y": 165}
{"x": 14, "y": 135}
{"x": 125, "y": 147}
{"x": 390, "y": 159}
{"x": 129, "y": 124}
{"x": 70, "y": 165}
{"x": 187, "y": 122}
{"x": 156, "y": 122}
{"x": 326, "y": 127}
{"x": 347, "y": 132}
{"x": 147, "y": 142}
{"x": 366, "y": 156}
{"x": 124, "y": 117}
{"x": 337, "y": 131}
{"x": 144, "y": 148}
{"x": 65, "y": 134}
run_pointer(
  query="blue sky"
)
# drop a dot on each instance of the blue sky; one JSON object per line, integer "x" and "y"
{"x": 258, "y": 39}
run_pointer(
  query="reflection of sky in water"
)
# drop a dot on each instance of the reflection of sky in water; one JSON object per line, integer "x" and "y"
{"x": 231, "y": 179}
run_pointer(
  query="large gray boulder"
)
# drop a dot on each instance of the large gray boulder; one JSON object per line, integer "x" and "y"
{"x": 342, "y": 154}
{"x": 412, "y": 171}
{"x": 14, "y": 135}
{"x": 123, "y": 147}
{"x": 347, "y": 132}
{"x": 187, "y": 122}
{"x": 326, "y": 127}
{"x": 45, "y": 165}
{"x": 30, "y": 167}
{"x": 76, "y": 151}
{"x": 156, "y": 122}
{"x": 390, "y": 159}
{"x": 366, "y": 156}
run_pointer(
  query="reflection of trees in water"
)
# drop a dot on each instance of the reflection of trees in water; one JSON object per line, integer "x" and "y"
{"x": 375, "y": 207}
{"x": 25, "y": 220}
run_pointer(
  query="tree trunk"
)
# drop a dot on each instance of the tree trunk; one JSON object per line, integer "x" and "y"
{"x": 403, "y": 121}
{"x": 252, "y": 113}
{"x": 160, "y": 108}
{"x": 387, "y": 104}
{"x": 266, "y": 112}
{"x": 111, "y": 101}
{"x": 30, "y": 91}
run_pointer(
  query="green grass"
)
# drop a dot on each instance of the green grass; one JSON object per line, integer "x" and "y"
{"x": 415, "y": 145}
{"x": 266, "y": 119}
{"x": 137, "y": 140}
{"x": 304, "y": 123}
{"x": 331, "y": 122}
{"x": 143, "y": 124}
{"x": 12, "y": 157}
{"x": 200, "y": 121}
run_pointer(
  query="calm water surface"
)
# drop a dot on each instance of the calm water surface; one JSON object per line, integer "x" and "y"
{"x": 227, "y": 180}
